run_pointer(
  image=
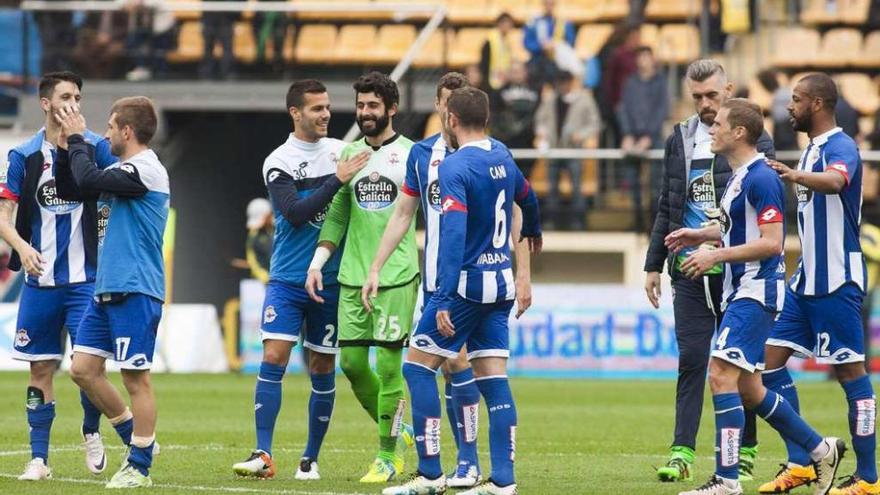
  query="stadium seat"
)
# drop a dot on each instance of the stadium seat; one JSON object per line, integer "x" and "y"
{"x": 669, "y": 10}
{"x": 185, "y": 15}
{"x": 860, "y": 91}
{"x": 466, "y": 47}
{"x": 518, "y": 47}
{"x": 520, "y": 10}
{"x": 315, "y": 44}
{"x": 244, "y": 46}
{"x": 854, "y": 12}
{"x": 433, "y": 125}
{"x": 796, "y": 47}
{"x": 678, "y": 43}
{"x": 870, "y": 55}
{"x": 580, "y": 11}
{"x": 818, "y": 12}
{"x": 590, "y": 38}
{"x": 839, "y": 48}
{"x": 470, "y": 12}
{"x": 759, "y": 95}
{"x": 434, "y": 52}
{"x": 614, "y": 10}
{"x": 352, "y": 41}
{"x": 190, "y": 44}
{"x": 650, "y": 34}
{"x": 287, "y": 54}
{"x": 392, "y": 43}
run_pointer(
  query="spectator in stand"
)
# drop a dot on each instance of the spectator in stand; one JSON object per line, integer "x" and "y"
{"x": 643, "y": 130}
{"x": 218, "y": 27}
{"x": 261, "y": 231}
{"x": 57, "y": 35}
{"x": 783, "y": 133}
{"x": 152, "y": 34}
{"x": 847, "y": 116}
{"x": 567, "y": 118}
{"x": 496, "y": 57}
{"x": 512, "y": 115}
{"x": 274, "y": 25}
{"x": 475, "y": 76}
{"x": 621, "y": 64}
{"x": 542, "y": 35}
{"x": 101, "y": 44}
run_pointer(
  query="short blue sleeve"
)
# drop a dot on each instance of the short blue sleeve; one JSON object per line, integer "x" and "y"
{"x": 411, "y": 180}
{"x": 767, "y": 195}
{"x": 842, "y": 156}
{"x": 10, "y": 185}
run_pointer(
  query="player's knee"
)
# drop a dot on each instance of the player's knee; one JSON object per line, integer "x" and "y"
{"x": 849, "y": 371}
{"x": 350, "y": 366}
{"x": 136, "y": 381}
{"x": 321, "y": 363}
{"x": 82, "y": 374}
{"x": 720, "y": 381}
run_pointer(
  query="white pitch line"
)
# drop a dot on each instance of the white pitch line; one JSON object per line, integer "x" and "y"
{"x": 215, "y": 447}
{"x": 200, "y": 488}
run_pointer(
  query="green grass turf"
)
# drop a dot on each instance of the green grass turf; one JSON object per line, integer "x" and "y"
{"x": 574, "y": 437}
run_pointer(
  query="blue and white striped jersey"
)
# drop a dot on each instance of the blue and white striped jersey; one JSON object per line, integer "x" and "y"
{"x": 299, "y": 173}
{"x": 131, "y": 230}
{"x": 56, "y": 224}
{"x": 754, "y": 197}
{"x": 828, "y": 224}
{"x": 478, "y": 184}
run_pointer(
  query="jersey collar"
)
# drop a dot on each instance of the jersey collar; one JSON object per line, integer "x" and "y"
{"x": 483, "y": 144}
{"x": 304, "y": 145}
{"x": 384, "y": 143}
{"x": 823, "y": 138}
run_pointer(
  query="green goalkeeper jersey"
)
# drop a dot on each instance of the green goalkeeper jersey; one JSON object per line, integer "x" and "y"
{"x": 361, "y": 210}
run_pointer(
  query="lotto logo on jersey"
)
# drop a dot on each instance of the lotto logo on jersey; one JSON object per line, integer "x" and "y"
{"x": 452, "y": 204}
{"x": 770, "y": 214}
{"x": 375, "y": 192}
{"x": 434, "y": 195}
{"x": 47, "y": 197}
{"x": 840, "y": 167}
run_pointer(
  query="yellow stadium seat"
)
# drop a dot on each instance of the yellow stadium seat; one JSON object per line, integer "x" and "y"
{"x": 517, "y": 47}
{"x": 854, "y": 12}
{"x": 870, "y": 55}
{"x": 185, "y": 15}
{"x": 614, "y": 10}
{"x": 818, "y": 12}
{"x": 287, "y": 54}
{"x": 244, "y": 46}
{"x": 679, "y": 43}
{"x": 434, "y": 51}
{"x": 672, "y": 9}
{"x": 759, "y": 95}
{"x": 796, "y": 47}
{"x": 392, "y": 43}
{"x": 520, "y": 10}
{"x": 353, "y": 41}
{"x": 340, "y": 14}
{"x": 590, "y": 38}
{"x": 860, "y": 91}
{"x": 839, "y": 47}
{"x": 466, "y": 47}
{"x": 650, "y": 36}
{"x": 580, "y": 11}
{"x": 190, "y": 44}
{"x": 470, "y": 12}
{"x": 315, "y": 44}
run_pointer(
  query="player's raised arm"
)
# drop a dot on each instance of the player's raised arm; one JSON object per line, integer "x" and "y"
{"x": 832, "y": 180}
{"x": 398, "y": 226}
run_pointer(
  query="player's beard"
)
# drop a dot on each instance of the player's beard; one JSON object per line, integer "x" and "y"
{"x": 117, "y": 149}
{"x": 707, "y": 116}
{"x": 378, "y": 128}
{"x": 802, "y": 123}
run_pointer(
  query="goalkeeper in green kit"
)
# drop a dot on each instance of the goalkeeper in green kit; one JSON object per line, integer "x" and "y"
{"x": 359, "y": 213}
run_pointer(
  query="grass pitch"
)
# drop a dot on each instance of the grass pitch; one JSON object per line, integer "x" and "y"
{"x": 574, "y": 437}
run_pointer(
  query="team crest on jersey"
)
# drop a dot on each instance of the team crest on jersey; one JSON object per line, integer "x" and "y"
{"x": 334, "y": 158}
{"x": 375, "y": 192}
{"x": 269, "y": 314}
{"x": 21, "y": 338}
{"x": 434, "y": 195}
{"x": 47, "y": 197}
{"x": 435, "y": 163}
{"x": 394, "y": 160}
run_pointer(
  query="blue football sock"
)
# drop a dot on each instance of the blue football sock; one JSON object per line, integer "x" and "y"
{"x": 40, "y": 419}
{"x": 780, "y": 381}
{"x": 730, "y": 420}
{"x": 450, "y": 411}
{"x": 862, "y": 415}
{"x": 502, "y": 427}
{"x": 425, "y": 398}
{"x": 267, "y": 403}
{"x": 91, "y": 415}
{"x": 466, "y": 401}
{"x": 124, "y": 430}
{"x": 776, "y": 411}
{"x": 320, "y": 410}
{"x": 142, "y": 458}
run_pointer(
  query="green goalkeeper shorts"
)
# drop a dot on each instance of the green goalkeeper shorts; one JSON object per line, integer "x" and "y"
{"x": 388, "y": 325}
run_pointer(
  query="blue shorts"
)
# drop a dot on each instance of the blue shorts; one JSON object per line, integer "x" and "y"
{"x": 744, "y": 330}
{"x": 483, "y": 327}
{"x": 827, "y": 327}
{"x": 287, "y": 307}
{"x": 42, "y": 313}
{"x": 124, "y": 331}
